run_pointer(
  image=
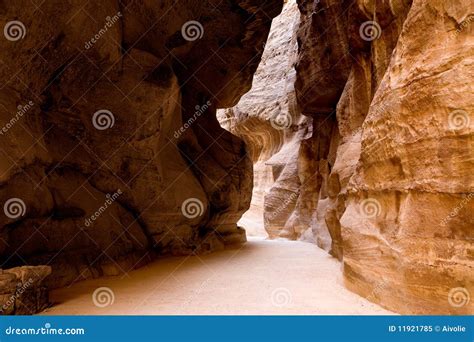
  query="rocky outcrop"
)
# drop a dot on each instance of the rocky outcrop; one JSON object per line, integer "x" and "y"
{"x": 268, "y": 120}
{"x": 393, "y": 146}
{"x": 22, "y": 291}
{"x": 111, "y": 148}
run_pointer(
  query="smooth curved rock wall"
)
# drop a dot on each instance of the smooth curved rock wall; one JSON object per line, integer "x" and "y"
{"x": 111, "y": 150}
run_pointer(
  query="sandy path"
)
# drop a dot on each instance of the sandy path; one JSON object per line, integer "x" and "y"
{"x": 262, "y": 277}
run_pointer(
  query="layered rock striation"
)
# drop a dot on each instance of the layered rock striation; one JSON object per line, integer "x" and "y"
{"x": 275, "y": 132}
{"x": 358, "y": 122}
{"x": 380, "y": 174}
{"x": 388, "y": 87}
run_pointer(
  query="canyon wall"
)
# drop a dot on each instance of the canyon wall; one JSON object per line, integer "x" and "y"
{"x": 269, "y": 122}
{"x": 111, "y": 150}
{"x": 381, "y": 175}
{"x": 388, "y": 85}
{"x": 358, "y": 122}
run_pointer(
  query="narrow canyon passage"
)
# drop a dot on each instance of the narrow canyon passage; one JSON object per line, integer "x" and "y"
{"x": 143, "y": 144}
{"x": 259, "y": 277}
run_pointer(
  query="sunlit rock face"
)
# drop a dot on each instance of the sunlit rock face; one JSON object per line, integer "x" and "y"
{"x": 111, "y": 150}
{"x": 269, "y": 122}
{"x": 393, "y": 142}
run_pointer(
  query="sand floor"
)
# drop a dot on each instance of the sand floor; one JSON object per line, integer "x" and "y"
{"x": 261, "y": 277}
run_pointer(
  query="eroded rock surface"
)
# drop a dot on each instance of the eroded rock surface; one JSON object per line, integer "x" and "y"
{"x": 416, "y": 167}
{"x": 22, "y": 291}
{"x": 387, "y": 84}
{"x": 111, "y": 150}
{"x": 381, "y": 174}
{"x": 268, "y": 120}
{"x": 359, "y": 123}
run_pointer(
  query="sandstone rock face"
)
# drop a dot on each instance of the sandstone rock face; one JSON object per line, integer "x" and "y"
{"x": 416, "y": 167}
{"x": 268, "y": 120}
{"x": 358, "y": 122}
{"x": 387, "y": 84}
{"x": 344, "y": 46}
{"x": 22, "y": 291}
{"x": 111, "y": 150}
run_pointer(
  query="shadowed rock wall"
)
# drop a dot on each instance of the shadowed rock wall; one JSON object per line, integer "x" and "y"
{"x": 111, "y": 150}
